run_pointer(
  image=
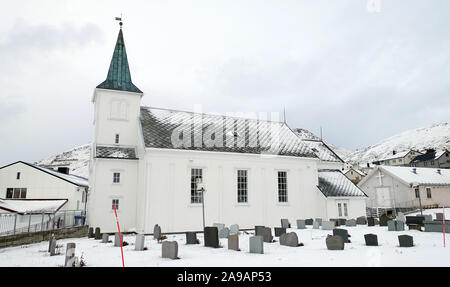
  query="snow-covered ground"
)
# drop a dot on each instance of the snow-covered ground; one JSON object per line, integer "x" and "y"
{"x": 428, "y": 251}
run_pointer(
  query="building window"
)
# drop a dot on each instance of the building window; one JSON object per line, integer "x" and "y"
{"x": 340, "y": 209}
{"x": 242, "y": 186}
{"x": 196, "y": 174}
{"x": 282, "y": 186}
{"x": 117, "y": 139}
{"x": 428, "y": 192}
{"x": 432, "y": 162}
{"x": 417, "y": 192}
{"x": 345, "y": 209}
{"x": 9, "y": 193}
{"x": 116, "y": 177}
{"x": 115, "y": 202}
{"x": 18, "y": 175}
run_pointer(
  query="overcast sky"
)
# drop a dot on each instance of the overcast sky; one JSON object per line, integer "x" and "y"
{"x": 360, "y": 74}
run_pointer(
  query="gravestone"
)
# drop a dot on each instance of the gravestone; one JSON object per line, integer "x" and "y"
{"x": 258, "y": 229}
{"x": 371, "y": 239}
{"x": 334, "y": 243}
{"x": 97, "y": 235}
{"x": 70, "y": 255}
{"x": 279, "y": 231}
{"x": 211, "y": 236}
{"x": 316, "y": 225}
{"x": 428, "y": 217}
{"x": 350, "y": 223}
{"x": 399, "y": 225}
{"x": 139, "y": 243}
{"x": 256, "y": 244}
{"x": 370, "y": 221}
{"x": 157, "y": 232}
{"x": 284, "y": 223}
{"x": 224, "y": 232}
{"x": 91, "y": 232}
{"x": 219, "y": 226}
{"x": 384, "y": 220}
{"x": 335, "y": 220}
{"x": 301, "y": 224}
{"x": 361, "y": 220}
{"x": 415, "y": 220}
{"x": 105, "y": 238}
{"x": 405, "y": 241}
{"x": 169, "y": 249}
{"x": 319, "y": 220}
{"x": 328, "y": 225}
{"x": 401, "y": 217}
{"x": 234, "y": 229}
{"x": 376, "y": 221}
{"x": 342, "y": 221}
{"x": 440, "y": 216}
{"x": 289, "y": 239}
{"x": 233, "y": 242}
{"x": 117, "y": 239}
{"x": 309, "y": 221}
{"x": 53, "y": 246}
{"x": 437, "y": 226}
{"x": 266, "y": 233}
{"x": 342, "y": 233}
{"x": 191, "y": 238}
{"x": 50, "y": 242}
{"x": 391, "y": 225}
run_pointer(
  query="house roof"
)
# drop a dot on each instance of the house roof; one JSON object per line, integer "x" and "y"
{"x": 76, "y": 180}
{"x": 355, "y": 170}
{"x": 240, "y": 135}
{"x": 423, "y": 175}
{"x": 322, "y": 151}
{"x": 424, "y": 157}
{"x": 397, "y": 155}
{"x": 22, "y": 206}
{"x": 119, "y": 76}
{"x": 115, "y": 152}
{"x": 333, "y": 183}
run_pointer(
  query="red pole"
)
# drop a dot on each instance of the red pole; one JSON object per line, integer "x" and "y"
{"x": 120, "y": 237}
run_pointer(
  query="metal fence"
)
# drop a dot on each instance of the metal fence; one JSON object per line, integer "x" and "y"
{"x": 405, "y": 207}
{"x": 14, "y": 223}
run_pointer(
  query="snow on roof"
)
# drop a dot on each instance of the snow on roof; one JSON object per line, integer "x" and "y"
{"x": 423, "y": 176}
{"x": 77, "y": 180}
{"x": 335, "y": 183}
{"x": 397, "y": 155}
{"x": 322, "y": 151}
{"x": 32, "y": 205}
{"x": 355, "y": 170}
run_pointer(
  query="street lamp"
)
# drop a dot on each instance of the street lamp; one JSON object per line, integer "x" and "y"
{"x": 201, "y": 188}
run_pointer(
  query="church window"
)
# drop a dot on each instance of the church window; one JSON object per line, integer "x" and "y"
{"x": 242, "y": 187}
{"x": 9, "y": 193}
{"x": 18, "y": 175}
{"x": 117, "y": 139}
{"x": 417, "y": 192}
{"x": 116, "y": 203}
{"x": 340, "y": 209}
{"x": 345, "y": 209}
{"x": 116, "y": 177}
{"x": 282, "y": 186}
{"x": 428, "y": 192}
{"x": 196, "y": 175}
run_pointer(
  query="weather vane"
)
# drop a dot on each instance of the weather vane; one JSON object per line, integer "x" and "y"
{"x": 120, "y": 19}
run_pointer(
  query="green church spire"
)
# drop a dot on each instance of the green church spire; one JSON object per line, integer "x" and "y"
{"x": 119, "y": 77}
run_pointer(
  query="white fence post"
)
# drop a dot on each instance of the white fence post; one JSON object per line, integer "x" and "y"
{"x": 15, "y": 223}
{"x": 29, "y": 223}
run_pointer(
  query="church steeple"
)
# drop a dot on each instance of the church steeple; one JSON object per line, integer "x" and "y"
{"x": 119, "y": 77}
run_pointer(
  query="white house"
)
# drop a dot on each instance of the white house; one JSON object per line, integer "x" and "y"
{"x": 146, "y": 162}
{"x": 390, "y": 187}
{"x": 29, "y": 188}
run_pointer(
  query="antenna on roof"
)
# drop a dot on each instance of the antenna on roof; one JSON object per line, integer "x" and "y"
{"x": 284, "y": 114}
{"x": 320, "y": 132}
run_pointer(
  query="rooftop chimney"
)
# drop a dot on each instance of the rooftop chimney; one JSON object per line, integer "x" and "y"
{"x": 394, "y": 152}
{"x": 414, "y": 170}
{"x": 439, "y": 171}
{"x": 64, "y": 170}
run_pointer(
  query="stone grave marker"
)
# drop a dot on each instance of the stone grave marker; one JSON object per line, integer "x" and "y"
{"x": 384, "y": 220}
{"x": 169, "y": 249}
{"x": 140, "y": 241}
{"x": 350, "y": 223}
{"x": 224, "y": 232}
{"x": 91, "y": 232}
{"x": 279, "y": 231}
{"x": 234, "y": 229}
{"x": 211, "y": 237}
{"x": 342, "y": 221}
{"x": 316, "y": 225}
{"x": 105, "y": 238}
{"x": 376, "y": 221}
{"x": 342, "y": 233}
{"x": 328, "y": 225}
{"x": 157, "y": 232}
{"x": 428, "y": 217}
{"x": 371, "y": 239}
{"x": 335, "y": 220}
{"x": 219, "y": 226}
{"x": 289, "y": 239}
{"x": 391, "y": 225}
{"x": 53, "y": 246}
{"x": 70, "y": 255}
{"x": 370, "y": 221}
{"x": 334, "y": 243}
{"x": 284, "y": 223}
{"x": 301, "y": 224}
{"x": 50, "y": 242}
{"x": 405, "y": 241}
{"x": 256, "y": 244}
{"x": 191, "y": 238}
{"x": 258, "y": 229}
{"x": 97, "y": 235}
{"x": 117, "y": 239}
{"x": 233, "y": 242}
{"x": 309, "y": 221}
{"x": 319, "y": 220}
{"x": 440, "y": 216}
{"x": 266, "y": 233}
{"x": 399, "y": 225}
{"x": 361, "y": 220}
{"x": 401, "y": 217}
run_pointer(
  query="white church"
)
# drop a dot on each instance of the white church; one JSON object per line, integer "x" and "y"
{"x": 148, "y": 162}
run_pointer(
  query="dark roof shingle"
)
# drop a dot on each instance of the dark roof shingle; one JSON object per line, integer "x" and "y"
{"x": 335, "y": 183}
{"x": 115, "y": 152}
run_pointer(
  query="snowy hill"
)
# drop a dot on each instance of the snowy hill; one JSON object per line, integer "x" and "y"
{"x": 436, "y": 136}
{"x": 77, "y": 159}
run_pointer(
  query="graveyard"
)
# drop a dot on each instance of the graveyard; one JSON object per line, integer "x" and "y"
{"x": 310, "y": 248}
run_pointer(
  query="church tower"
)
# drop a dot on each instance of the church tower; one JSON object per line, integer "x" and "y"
{"x": 114, "y": 163}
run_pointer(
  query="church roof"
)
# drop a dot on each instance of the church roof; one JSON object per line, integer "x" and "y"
{"x": 119, "y": 77}
{"x": 335, "y": 183}
{"x": 162, "y": 129}
{"x": 115, "y": 152}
